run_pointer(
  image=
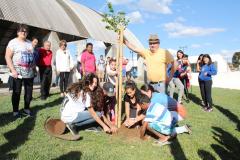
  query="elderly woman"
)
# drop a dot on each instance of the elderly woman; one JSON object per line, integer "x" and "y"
{"x": 20, "y": 60}
{"x": 64, "y": 64}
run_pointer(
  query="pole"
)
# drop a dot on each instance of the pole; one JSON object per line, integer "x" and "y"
{"x": 117, "y": 86}
{"x": 120, "y": 77}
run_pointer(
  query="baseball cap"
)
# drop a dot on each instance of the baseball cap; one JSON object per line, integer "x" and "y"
{"x": 109, "y": 89}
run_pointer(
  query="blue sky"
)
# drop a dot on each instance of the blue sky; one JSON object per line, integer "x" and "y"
{"x": 206, "y": 26}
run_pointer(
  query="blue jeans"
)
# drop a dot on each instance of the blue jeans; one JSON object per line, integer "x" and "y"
{"x": 160, "y": 87}
{"x": 84, "y": 118}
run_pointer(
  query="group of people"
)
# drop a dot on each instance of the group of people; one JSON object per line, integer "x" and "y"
{"x": 86, "y": 102}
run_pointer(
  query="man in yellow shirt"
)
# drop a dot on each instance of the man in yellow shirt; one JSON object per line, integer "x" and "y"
{"x": 157, "y": 61}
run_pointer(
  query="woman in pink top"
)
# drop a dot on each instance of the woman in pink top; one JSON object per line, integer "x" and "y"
{"x": 88, "y": 60}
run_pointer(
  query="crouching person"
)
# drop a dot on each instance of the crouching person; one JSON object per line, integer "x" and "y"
{"x": 158, "y": 120}
{"x": 78, "y": 110}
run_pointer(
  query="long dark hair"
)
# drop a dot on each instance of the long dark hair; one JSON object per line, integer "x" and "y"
{"x": 74, "y": 89}
{"x": 97, "y": 95}
{"x": 180, "y": 51}
{"x": 207, "y": 56}
{"x": 132, "y": 85}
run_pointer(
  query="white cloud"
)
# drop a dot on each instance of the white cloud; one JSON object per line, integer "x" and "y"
{"x": 135, "y": 17}
{"x": 156, "y": 6}
{"x": 98, "y": 45}
{"x": 195, "y": 46}
{"x": 177, "y": 29}
{"x": 172, "y": 51}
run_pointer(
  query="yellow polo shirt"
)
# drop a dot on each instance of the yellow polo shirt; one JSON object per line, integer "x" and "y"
{"x": 156, "y": 64}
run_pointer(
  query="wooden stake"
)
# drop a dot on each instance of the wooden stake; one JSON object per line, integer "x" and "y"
{"x": 120, "y": 77}
{"x": 117, "y": 86}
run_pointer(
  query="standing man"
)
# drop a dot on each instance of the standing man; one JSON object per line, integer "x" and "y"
{"x": 101, "y": 68}
{"x": 45, "y": 69}
{"x": 156, "y": 60}
{"x": 88, "y": 60}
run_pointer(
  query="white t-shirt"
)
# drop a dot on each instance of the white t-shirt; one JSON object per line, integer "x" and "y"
{"x": 101, "y": 65}
{"x": 23, "y": 57}
{"x": 64, "y": 62}
{"x": 73, "y": 107}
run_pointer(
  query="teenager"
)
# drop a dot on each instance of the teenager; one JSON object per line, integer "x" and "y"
{"x": 185, "y": 75}
{"x": 64, "y": 65}
{"x": 78, "y": 110}
{"x": 159, "y": 121}
{"x": 20, "y": 60}
{"x": 131, "y": 104}
{"x": 175, "y": 80}
{"x": 207, "y": 71}
{"x": 177, "y": 110}
{"x": 101, "y": 68}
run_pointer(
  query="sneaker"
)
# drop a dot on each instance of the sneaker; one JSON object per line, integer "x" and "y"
{"x": 16, "y": 115}
{"x": 26, "y": 112}
{"x": 209, "y": 110}
{"x": 72, "y": 129}
{"x": 160, "y": 143}
{"x": 94, "y": 129}
{"x": 62, "y": 95}
{"x": 189, "y": 131}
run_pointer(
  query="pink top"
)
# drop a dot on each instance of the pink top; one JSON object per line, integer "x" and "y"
{"x": 90, "y": 62}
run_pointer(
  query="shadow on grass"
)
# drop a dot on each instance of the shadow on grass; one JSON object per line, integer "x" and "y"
{"x": 19, "y": 136}
{"x": 232, "y": 117}
{"x": 227, "y": 147}
{"x": 194, "y": 99}
{"x": 73, "y": 155}
{"x": 176, "y": 150}
{"x": 205, "y": 155}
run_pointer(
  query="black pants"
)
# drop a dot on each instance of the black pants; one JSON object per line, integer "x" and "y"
{"x": 64, "y": 76}
{"x": 17, "y": 88}
{"x": 45, "y": 78}
{"x": 206, "y": 92}
{"x": 184, "y": 82}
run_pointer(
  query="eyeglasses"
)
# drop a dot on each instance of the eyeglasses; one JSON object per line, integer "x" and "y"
{"x": 153, "y": 43}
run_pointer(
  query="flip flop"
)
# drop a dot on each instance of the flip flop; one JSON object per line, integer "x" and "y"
{"x": 159, "y": 143}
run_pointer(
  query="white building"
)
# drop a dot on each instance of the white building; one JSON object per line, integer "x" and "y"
{"x": 225, "y": 78}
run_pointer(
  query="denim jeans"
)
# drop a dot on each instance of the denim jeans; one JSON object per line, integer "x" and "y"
{"x": 160, "y": 87}
{"x": 84, "y": 118}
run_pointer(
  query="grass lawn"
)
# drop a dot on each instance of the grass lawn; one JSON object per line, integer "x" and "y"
{"x": 215, "y": 135}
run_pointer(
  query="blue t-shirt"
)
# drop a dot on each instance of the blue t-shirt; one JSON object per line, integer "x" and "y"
{"x": 210, "y": 70}
{"x": 164, "y": 100}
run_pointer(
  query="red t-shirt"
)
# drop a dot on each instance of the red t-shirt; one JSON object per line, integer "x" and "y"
{"x": 45, "y": 57}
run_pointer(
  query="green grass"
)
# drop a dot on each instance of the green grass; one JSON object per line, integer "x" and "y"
{"x": 215, "y": 135}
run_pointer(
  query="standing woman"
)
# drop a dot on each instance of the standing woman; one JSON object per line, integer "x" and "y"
{"x": 20, "y": 60}
{"x": 207, "y": 70}
{"x": 199, "y": 66}
{"x": 88, "y": 60}
{"x": 175, "y": 80}
{"x": 64, "y": 64}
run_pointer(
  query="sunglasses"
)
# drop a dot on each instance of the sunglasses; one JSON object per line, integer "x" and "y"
{"x": 153, "y": 43}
